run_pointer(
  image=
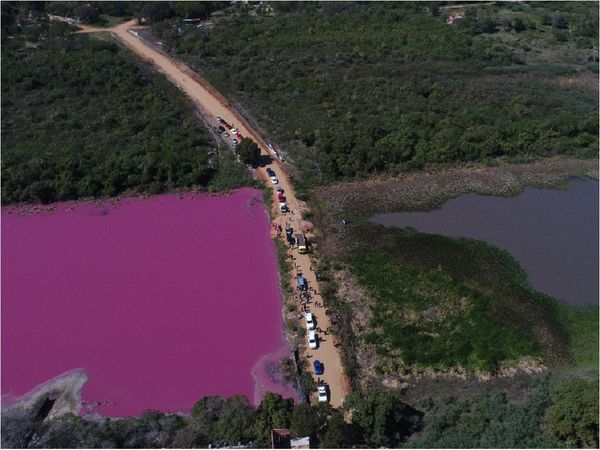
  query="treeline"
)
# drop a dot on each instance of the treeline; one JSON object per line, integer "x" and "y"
{"x": 213, "y": 421}
{"x": 352, "y": 88}
{"x": 551, "y": 414}
{"x": 82, "y": 118}
{"x": 98, "y": 12}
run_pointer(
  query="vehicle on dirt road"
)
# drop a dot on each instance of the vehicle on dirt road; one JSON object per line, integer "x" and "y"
{"x": 274, "y": 180}
{"x": 283, "y": 207}
{"x": 313, "y": 340}
{"x": 310, "y": 321}
{"x": 318, "y": 366}
{"x": 301, "y": 243}
{"x": 270, "y": 172}
{"x": 323, "y": 392}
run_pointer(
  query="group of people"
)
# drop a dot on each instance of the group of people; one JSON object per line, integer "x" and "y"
{"x": 278, "y": 229}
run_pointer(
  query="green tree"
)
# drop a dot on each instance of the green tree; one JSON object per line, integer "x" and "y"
{"x": 236, "y": 421}
{"x": 274, "y": 412}
{"x": 573, "y": 417}
{"x": 249, "y": 152}
{"x": 307, "y": 419}
{"x": 518, "y": 25}
{"x": 201, "y": 422}
{"x": 383, "y": 419}
{"x": 334, "y": 433}
{"x": 86, "y": 13}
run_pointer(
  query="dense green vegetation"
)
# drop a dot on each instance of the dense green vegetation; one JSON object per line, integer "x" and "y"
{"x": 352, "y": 88}
{"x": 81, "y": 117}
{"x": 442, "y": 302}
{"x": 548, "y": 414}
{"x": 106, "y": 13}
{"x": 573, "y": 416}
{"x": 434, "y": 321}
{"x": 487, "y": 421}
{"x": 212, "y": 421}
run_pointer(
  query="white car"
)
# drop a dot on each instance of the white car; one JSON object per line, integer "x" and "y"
{"x": 312, "y": 340}
{"x": 310, "y": 321}
{"x": 283, "y": 207}
{"x": 274, "y": 180}
{"x": 234, "y": 130}
{"x": 323, "y": 394}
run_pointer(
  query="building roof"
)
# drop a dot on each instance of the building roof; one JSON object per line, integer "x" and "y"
{"x": 303, "y": 442}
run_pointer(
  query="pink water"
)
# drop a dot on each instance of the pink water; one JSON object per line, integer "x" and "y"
{"x": 162, "y": 301}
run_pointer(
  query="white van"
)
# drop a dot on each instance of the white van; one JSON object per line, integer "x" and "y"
{"x": 310, "y": 321}
{"x": 313, "y": 340}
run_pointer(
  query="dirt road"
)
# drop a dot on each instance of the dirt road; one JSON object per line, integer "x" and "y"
{"x": 213, "y": 104}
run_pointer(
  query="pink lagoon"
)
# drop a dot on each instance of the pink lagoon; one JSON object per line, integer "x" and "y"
{"x": 160, "y": 301}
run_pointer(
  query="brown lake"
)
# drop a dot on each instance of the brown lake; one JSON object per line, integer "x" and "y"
{"x": 552, "y": 233}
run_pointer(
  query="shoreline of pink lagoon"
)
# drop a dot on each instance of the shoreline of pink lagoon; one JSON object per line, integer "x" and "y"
{"x": 161, "y": 300}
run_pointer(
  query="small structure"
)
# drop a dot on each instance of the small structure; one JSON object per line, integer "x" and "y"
{"x": 303, "y": 442}
{"x": 280, "y": 438}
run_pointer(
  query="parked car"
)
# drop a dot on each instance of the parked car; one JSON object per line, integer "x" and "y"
{"x": 219, "y": 118}
{"x": 280, "y": 190}
{"x": 313, "y": 342}
{"x": 323, "y": 392}
{"x": 274, "y": 180}
{"x": 283, "y": 207}
{"x": 239, "y": 136}
{"x": 270, "y": 172}
{"x": 318, "y": 365}
{"x": 221, "y": 128}
{"x": 234, "y": 142}
{"x": 225, "y": 134}
{"x": 234, "y": 130}
{"x": 310, "y": 321}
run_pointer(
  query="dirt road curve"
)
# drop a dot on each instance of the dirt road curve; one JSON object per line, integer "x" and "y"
{"x": 213, "y": 104}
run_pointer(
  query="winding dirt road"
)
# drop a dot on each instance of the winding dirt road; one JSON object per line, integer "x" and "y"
{"x": 212, "y": 104}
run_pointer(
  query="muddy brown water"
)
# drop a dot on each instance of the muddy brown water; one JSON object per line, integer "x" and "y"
{"x": 552, "y": 233}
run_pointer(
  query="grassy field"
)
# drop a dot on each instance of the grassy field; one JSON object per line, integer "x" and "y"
{"x": 350, "y": 89}
{"x": 82, "y": 117}
{"x": 444, "y": 303}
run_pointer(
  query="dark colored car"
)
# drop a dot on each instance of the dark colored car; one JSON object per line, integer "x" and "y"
{"x": 318, "y": 365}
